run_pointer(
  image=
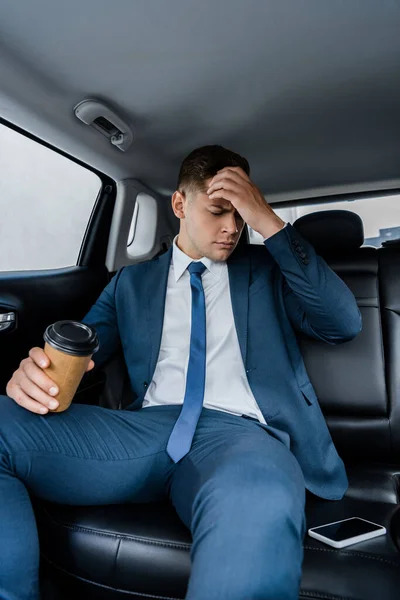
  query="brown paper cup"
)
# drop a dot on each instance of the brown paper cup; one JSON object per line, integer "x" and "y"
{"x": 67, "y": 372}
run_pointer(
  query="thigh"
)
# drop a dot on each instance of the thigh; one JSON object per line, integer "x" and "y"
{"x": 88, "y": 454}
{"x": 234, "y": 461}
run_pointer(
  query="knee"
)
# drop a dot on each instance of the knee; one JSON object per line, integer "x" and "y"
{"x": 258, "y": 512}
{"x": 255, "y": 476}
{"x": 256, "y": 492}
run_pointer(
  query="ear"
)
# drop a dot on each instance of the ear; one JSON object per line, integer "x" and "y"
{"x": 179, "y": 202}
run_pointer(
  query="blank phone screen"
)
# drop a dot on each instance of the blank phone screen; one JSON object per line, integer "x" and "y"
{"x": 346, "y": 529}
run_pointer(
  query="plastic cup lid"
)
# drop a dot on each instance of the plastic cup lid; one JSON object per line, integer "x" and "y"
{"x": 72, "y": 337}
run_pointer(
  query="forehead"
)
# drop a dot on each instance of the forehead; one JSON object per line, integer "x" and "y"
{"x": 216, "y": 202}
{"x": 201, "y": 195}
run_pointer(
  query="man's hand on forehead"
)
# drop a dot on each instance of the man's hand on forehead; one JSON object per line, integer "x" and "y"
{"x": 234, "y": 185}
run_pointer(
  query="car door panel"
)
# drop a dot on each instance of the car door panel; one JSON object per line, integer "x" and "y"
{"x": 38, "y": 298}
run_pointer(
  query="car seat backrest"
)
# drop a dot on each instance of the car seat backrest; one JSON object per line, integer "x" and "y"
{"x": 389, "y": 288}
{"x": 357, "y": 382}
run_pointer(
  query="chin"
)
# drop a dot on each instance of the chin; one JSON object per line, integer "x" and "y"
{"x": 222, "y": 254}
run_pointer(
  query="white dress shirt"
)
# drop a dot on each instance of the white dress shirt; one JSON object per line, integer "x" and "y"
{"x": 226, "y": 385}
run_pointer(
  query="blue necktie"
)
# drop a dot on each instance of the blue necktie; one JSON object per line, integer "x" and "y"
{"x": 181, "y": 436}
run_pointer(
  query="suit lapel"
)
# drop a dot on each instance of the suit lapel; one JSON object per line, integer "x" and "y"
{"x": 156, "y": 288}
{"x": 239, "y": 276}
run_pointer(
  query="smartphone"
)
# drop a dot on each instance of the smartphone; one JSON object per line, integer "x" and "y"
{"x": 348, "y": 531}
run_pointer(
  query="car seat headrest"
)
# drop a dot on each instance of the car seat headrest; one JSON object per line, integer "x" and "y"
{"x": 332, "y": 231}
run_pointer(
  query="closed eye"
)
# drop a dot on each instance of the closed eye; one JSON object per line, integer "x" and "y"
{"x": 217, "y": 214}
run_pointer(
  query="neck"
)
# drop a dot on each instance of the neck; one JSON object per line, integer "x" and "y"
{"x": 183, "y": 244}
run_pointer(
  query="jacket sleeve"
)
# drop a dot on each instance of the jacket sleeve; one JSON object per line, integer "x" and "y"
{"x": 318, "y": 303}
{"x": 103, "y": 317}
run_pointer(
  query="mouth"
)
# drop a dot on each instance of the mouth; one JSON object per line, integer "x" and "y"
{"x": 225, "y": 244}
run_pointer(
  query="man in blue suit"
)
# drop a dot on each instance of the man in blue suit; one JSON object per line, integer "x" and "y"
{"x": 225, "y": 424}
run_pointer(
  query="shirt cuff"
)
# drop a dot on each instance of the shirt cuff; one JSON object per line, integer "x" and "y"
{"x": 275, "y": 233}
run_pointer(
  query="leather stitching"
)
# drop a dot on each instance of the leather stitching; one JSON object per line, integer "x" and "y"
{"x": 359, "y": 554}
{"x": 182, "y": 546}
{"x": 396, "y": 312}
{"x": 107, "y": 587}
{"x": 320, "y": 596}
{"x": 129, "y": 537}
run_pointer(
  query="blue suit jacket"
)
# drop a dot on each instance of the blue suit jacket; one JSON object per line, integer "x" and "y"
{"x": 278, "y": 288}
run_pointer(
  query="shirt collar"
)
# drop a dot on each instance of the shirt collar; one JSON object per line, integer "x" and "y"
{"x": 181, "y": 261}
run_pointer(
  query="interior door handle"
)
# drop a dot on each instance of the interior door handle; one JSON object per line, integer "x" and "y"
{"x": 7, "y": 320}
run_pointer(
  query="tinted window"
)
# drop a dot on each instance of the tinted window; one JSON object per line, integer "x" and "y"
{"x": 45, "y": 202}
{"x": 380, "y": 216}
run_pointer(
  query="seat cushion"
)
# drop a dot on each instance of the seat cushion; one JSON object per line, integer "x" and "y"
{"x": 143, "y": 550}
{"x": 122, "y": 549}
{"x": 365, "y": 571}
{"x": 374, "y": 483}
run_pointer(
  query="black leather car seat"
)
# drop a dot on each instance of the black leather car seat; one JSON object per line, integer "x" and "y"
{"x": 357, "y": 384}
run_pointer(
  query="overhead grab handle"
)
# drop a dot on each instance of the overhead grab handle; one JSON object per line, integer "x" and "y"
{"x": 102, "y": 118}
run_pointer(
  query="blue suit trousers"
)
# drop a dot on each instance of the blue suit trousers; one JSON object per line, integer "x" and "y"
{"x": 239, "y": 490}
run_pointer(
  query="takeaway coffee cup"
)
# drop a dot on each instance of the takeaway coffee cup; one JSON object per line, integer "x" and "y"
{"x": 69, "y": 346}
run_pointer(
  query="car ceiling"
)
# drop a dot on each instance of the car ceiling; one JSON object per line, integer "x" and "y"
{"x": 307, "y": 90}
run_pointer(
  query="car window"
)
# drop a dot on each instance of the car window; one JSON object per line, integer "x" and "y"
{"x": 380, "y": 216}
{"x": 46, "y": 201}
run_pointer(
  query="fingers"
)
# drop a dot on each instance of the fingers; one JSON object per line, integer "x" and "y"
{"x": 33, "y": 373}
{"x": 238, "y": 170}
{"x": 235, "y": 173}
{"x": 26, "y": 402}
{"x": 225, "y": 178}
{"x": 39, "y": 357}
{"x": 30, "y": 386}
{"x": 90, "y": 366}
{"x": 226, "y": 194}
{"x": 223, "y": 184}
{"x": 33, "y": 391}
{"x": 229, "y": 180}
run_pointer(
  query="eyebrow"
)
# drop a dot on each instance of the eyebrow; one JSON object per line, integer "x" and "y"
{"x": 223, "y": 209}
{"x": 219, "y": 206}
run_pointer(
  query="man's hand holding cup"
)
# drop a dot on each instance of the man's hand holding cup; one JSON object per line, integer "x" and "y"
{"x": 48, "y": 379}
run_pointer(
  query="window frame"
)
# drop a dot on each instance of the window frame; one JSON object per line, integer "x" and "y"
{"x": 324, "y": 199}
{"x": 103, "y": 206}
{"x": 328, "y": 199}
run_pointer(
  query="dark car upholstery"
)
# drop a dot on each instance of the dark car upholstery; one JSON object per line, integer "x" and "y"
{"x": 142, "y": 551}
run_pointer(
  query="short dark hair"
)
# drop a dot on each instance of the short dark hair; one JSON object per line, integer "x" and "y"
{"x": 205, "y": 162}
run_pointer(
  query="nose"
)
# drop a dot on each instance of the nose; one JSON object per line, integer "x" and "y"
{"x": 229, "y": 224}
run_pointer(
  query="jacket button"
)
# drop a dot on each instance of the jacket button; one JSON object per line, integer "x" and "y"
{"x": 145, "y": 384}
{"x": 306, "y": 261}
